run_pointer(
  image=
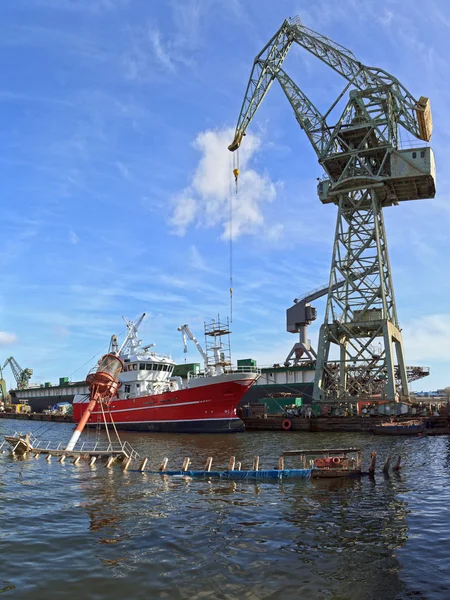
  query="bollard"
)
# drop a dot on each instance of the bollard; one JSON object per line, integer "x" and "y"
{"x": 126, "y": 463}
{"x": 164, "y": 464}
{"x": 208, "y": 463}
{"x": 238, "y": 466}
{"x": 109, "y": 462}
{"x": 62, "y": 458}
{"x": 373, "y": 460}
{"x": 143, "y": 465}
{"x": 281, "y": 463}
{"x": 255, "y": 463}
{"x": 92, "y": 461}
{"x": 386, "y": 464}
{"x": 396, "y": 467}
{"x": 232, "y": 463}
{"x": 186, "y": 463}
{"x": 76, "y": 460}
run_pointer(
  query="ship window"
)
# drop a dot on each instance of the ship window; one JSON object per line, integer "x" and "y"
{"x": 141, "y": 366}
{"x": 414, "y": 154}
{"x": 149, "y": 366}
{"x": 134, "y": 367}
{"x": 127, "y": 389}
{"x": 422, "y": 154}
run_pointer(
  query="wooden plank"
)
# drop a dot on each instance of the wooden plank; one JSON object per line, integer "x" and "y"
{"x": 232, "y": 463}
{"x": 163, "y": 465}
{"x": 208, "y": 463}
{"x": 255, "y": 463}
{"x": 186, "y": 464}
{"x": 143, "y": 465}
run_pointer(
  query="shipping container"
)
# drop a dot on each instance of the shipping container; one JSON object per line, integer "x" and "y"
{"x": 246, "y": 362}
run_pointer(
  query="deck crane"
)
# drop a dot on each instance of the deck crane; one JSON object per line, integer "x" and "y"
{"x": 187, "y": 334}
{"x": 22, "y": 376}
{"x": 364, "y": 171}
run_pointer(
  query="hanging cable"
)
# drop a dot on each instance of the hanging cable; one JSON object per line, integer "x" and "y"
{"x": 236, "y": 176}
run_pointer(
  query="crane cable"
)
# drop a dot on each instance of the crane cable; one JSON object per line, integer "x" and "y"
{"x": 236, "y": 176}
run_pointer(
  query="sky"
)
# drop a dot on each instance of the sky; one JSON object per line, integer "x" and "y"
{"x": 116, "y": 179}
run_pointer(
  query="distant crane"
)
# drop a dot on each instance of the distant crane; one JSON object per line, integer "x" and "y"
{"x": 22, "y": 376}
{"x": 364, "y": 171}
{"x": 4, "y": 397}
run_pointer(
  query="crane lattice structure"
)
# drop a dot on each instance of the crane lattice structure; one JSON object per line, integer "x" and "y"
{"x": 365, "y": 171}
{"x": 22, "y": 376}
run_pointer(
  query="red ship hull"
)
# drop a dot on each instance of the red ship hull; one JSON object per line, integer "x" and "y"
{"x": 207, "y": 408}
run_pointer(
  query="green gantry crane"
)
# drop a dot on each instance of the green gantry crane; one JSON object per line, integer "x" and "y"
{"x": 22, "y": 376}
{"x": 364, "y": 171}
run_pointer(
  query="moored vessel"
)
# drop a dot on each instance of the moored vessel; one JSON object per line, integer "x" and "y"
{"x": 150, "y": 398}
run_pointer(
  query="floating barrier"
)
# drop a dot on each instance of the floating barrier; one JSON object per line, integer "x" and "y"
{"x": 314, "y": 464}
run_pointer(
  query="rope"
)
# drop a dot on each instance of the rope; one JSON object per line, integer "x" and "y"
{"x": 114, "y": 425}
{"x": 106, "y": 424}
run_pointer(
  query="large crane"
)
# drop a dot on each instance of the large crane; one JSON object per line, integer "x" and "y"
{"x": 364, "y": 171}
{"x": 22, "y": 376}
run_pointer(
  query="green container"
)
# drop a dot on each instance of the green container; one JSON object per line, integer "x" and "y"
{"x": 246, "y": 362}
{"x": 185, "y": 368}
{"x": 47, "y": 384}
{"x": 63, "y": 380}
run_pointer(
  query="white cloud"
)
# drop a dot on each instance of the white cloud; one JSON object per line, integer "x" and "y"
{"x": 7, "y": 338}
{"x": 427, "y": 338}
{"x": 206, "y": 201}
{"x": 73, "y": 238}
{"x": 184, "y": 213}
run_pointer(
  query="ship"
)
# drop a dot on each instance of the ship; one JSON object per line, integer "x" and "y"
{"x": 151, "y": 398}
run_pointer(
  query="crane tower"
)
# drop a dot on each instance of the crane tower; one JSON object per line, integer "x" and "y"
{"x": 364, "y": 171}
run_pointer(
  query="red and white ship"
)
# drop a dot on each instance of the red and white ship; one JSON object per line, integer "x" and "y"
{"x": 151, "y": 399}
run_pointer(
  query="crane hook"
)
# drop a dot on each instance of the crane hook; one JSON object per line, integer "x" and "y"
{"x": 236, "y": 175}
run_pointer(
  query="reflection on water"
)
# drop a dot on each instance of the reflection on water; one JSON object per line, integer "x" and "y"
{"x": 80, "y": 532}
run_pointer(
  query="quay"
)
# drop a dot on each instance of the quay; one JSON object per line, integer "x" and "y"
{"x": 35, "y": 416}
{"x": 357, "y": 424}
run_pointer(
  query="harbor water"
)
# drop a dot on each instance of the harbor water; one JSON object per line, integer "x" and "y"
{"x": 85, "y": 532}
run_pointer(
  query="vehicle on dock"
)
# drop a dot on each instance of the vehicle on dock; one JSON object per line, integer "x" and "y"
{"x": 60, "y": 409}
{"x": 413, "y": 427}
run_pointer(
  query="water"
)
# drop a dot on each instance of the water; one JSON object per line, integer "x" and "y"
{"x": 92, "y": 533}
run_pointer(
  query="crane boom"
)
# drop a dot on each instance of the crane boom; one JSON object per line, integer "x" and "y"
{"x": 187, "y": 333}
{"x": 413, "y": 115}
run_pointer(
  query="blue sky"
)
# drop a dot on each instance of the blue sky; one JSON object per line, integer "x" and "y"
{"x": 115, "y": 117}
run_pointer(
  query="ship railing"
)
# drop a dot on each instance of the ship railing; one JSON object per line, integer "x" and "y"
{"x": 244, "y": 369}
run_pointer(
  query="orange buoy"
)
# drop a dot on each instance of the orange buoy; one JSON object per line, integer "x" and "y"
{"x": 286, "y": 424}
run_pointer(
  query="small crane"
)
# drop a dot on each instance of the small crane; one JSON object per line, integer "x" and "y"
{"x": 22, "y": 376}
{"x": 187, "y": 333}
